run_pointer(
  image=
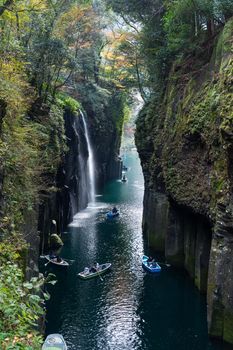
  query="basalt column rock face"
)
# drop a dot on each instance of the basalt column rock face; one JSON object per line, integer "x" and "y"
{"x": 220, "y": 282}
{"x": 185, "y": 143}
{"x": 106, "y": 144}
{"x": 183, "y": 237}
{"x": 71, "y": 193}
{"x": 174, "y": 237}
{"x": 155, "y": 219}
{"x": 75, "y": 176}
{"x": 105, "y": 117}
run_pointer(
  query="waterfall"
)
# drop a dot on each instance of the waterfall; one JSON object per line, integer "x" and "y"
{"x": 91, "y": 163}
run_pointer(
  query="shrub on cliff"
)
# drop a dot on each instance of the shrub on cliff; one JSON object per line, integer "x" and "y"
{"x": 20, "y": 304}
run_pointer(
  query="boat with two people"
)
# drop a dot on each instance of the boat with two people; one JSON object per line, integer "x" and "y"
{"x": 56, "y": 260}
{"x": 54, "y": 342}
{"x": 113, "y": 213}
{"x": 94, "y": 271}
{"x": 150, "y": 264}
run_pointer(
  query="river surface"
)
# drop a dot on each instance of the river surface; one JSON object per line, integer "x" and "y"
{"x": 128, "y": 309}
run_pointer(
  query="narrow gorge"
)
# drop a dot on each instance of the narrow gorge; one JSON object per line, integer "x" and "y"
{"x": 116, "y": 107}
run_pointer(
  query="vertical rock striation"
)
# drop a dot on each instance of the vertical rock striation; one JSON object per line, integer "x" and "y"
{"x": 70, "y": 195}
{"x": 105, "y": 115}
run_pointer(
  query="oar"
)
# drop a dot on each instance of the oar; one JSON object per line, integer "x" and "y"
{"x": 69, "y": 260}
{"x": 43, "y": 257}
{"x": 47, "y": 263}
{"x": 161, "y": 263}
{"x": 101, "y": 278}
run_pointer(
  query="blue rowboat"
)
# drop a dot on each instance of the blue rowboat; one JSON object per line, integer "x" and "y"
{"x": 111, "y": 215}
{"x": 150, "y": 266}
{"x": 54, "y": 342}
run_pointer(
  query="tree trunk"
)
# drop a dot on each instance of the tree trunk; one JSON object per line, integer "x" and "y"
{"x": 210, "y": 27}
{"x": 3, "y": 106}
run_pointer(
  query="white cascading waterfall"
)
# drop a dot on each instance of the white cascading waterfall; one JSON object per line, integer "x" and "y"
{"x": 91, "y": 163}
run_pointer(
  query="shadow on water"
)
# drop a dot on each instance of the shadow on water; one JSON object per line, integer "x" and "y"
{"x": 129, "y": 309}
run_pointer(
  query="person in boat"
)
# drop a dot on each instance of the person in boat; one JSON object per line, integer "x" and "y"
{"x": 124, "y": 178}
{"x": 59, "y": 259}
{"x": 55, "y": 257}
{"x": 86, "y": 270}
{"x": 114, "y": 210}
{"x": 56, "y": 244}
{"x": 52, "y": 255}
{"x": 95, "y": 267}
{"x": 150, "y": 260}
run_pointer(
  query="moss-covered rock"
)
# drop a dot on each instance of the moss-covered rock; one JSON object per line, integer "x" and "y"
{"x": 55, "y": 242}
{"x": 228, "y": 326}
{"x": 185, "y": 144}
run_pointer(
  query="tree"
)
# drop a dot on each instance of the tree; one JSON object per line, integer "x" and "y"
{"x": 189, "y": 22}
{"x": 170, "y": 28}
{"x": 5, "y": 6}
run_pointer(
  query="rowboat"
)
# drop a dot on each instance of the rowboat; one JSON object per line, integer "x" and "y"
{"x": 150, "y": 266}
{"x": 86, "y": 274}
{"x": 112, "y": 215}
{"x": 54, "y": 342}
{"x": 55, "y": 262}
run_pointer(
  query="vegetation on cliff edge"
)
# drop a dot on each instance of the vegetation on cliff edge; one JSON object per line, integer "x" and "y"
{"x": 50, "y": 60}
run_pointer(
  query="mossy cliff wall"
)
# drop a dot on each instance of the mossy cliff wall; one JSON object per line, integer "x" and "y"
{"x": 186, "y": 146}
{"x": 43, "y": 158}
{"x": 31, "y": 146}
{"x": 68, "y": 196}
{"x": 104, "y": 114}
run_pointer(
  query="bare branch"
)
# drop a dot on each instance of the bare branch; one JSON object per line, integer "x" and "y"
{"x": 129, "y": 23}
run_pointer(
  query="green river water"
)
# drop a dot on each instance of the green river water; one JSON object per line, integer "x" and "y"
{"x": 129, "y": 309}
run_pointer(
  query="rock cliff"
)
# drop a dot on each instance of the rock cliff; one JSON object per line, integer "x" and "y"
{"x": 104, "y": 114}
{"x": 185, "y": 145}
{"x": 104, "y": 107}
